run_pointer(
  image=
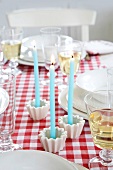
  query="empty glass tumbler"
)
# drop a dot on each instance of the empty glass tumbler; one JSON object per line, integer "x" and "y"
{"x": 7, "y": 112}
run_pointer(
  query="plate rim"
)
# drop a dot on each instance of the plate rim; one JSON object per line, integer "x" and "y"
{"x": 108, "y": 43}
{"x": 29, "y": 63}
{"x": 19, "y": 153}
{"x": 34, "y": 36}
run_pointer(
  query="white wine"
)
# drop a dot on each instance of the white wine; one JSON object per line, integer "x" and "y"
{"x": 64, "y": 60}
{"x": 101, "y": 125}
{"x": 11, "y": 49}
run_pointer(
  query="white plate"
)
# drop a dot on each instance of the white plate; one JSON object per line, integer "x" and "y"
{"x": 63, "y": 103}
{"x": 92, "y": 80}
{"x": 29, "y": 63}
{"x": 34, "y": 160}
{"x": 27, "y": 42}
{"x": 99, "y": 47}
{"x": 27, "y": 45}
{"x": 26, "y": 55}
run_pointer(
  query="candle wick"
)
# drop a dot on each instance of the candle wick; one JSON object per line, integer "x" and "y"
{"x": 72, "y": 56}
{"x": 52, "y": 64}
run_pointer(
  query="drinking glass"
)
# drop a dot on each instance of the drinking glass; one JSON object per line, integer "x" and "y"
{"x": 7, "y": 112}
{"x": 110, "y": 84}
{"x": 50, "y": 38}
{"x": 67, "y": 50}
{"x": 11, "y": 46}
{"x": 100, "y": 114}
{"x": 1, "y": 53}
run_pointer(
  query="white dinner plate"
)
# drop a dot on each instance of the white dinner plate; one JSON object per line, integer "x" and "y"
{"x": 27, "y": 46}
{"x": 27, "y": 42}
{"x": 29, "y": 63}
{"x": 79, "y": 103}
{"x": 26, "y": 57}
{"x": 99, "y": 47}
{"x": 92, "y": 80}
{"x": 34, "y": 160}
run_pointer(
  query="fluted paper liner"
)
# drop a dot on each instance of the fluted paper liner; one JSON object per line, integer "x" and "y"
{"x": 50, "y": 144}
{"x": 74, "y": 130}
{"x": 38, "y": 113}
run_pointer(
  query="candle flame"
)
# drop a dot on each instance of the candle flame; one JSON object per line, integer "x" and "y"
{"x": 33, "y": 44}
{"x": 52, "y": 59}
{"x": 71, "y": 53}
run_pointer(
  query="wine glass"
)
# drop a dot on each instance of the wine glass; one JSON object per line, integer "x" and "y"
{"x": 100, "y": 116}
{"x": 11, "y": 46}
{"x": 1, "y": 53}
{"x": 7, "y": 112}
{"x": 66, "y": 50}
{"x": 50, "y": 37}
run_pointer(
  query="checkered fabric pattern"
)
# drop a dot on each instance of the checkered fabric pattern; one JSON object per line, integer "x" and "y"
{"x": 26, "y": 130}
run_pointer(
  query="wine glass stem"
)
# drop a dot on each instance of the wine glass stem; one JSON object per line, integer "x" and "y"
{"x": 5, "y": 143}
{"x": 0, "y": 69}
{"x": 13, "y": 64}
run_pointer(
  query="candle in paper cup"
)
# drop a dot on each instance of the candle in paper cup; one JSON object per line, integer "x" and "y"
{"x": 70, "y": 92}
{"x": 36, "y": 75}
{"x": 52, "y": 98}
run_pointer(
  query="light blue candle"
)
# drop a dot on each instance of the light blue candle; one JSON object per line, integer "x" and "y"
{"x": 70, "y": 92}
{"x": 52, "y": 102}
{"x": 36, "y": 77}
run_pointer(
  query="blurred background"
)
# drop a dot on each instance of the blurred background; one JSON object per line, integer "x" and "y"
{"x": 102, "y": 30}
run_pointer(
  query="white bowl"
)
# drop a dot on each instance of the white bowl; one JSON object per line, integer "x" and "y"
{"x": 92, "y": 80}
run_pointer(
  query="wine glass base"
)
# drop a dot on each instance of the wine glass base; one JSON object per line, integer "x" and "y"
{"x": 16, "y": 71}
{"x": 97, "y": 163}
{"x": 10, "y": 147}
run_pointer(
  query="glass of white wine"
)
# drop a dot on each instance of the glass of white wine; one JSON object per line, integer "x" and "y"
{"x": 1, "y": 53}
{"x": 11, "y": 46}
{"x": 100, "y": 114}
{"x": 66, "y": 50}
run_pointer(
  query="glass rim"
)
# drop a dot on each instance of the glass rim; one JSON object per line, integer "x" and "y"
{"x": 70, "y": 45}
{"x": 16, "y": 31}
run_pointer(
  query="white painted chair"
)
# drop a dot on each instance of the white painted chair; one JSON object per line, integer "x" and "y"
{"x": 54, "y": 17}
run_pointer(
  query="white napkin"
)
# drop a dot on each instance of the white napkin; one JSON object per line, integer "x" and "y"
{"x": 78, "y": 98}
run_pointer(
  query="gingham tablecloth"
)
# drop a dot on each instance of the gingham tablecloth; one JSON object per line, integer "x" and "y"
{"x": 26, "y": 130}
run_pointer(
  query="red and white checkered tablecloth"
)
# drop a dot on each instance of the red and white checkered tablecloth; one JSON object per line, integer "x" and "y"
{"x": 26, "y": 130}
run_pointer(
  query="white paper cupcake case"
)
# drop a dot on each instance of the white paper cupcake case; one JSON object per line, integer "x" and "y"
{"x": 74, "y": 130}
{"x": 39, "y": 112}
{"x": 50, "y": 144}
